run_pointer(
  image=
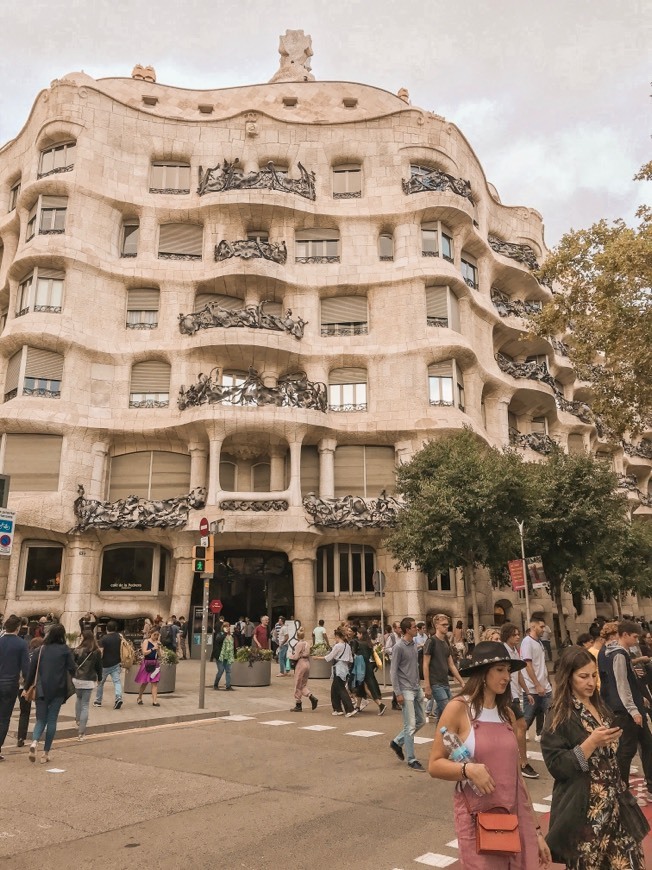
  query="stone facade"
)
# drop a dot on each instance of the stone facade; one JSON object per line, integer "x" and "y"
{"x": 367, "y": 204}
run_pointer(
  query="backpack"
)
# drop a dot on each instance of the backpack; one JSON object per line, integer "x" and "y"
{"x": 358, "y": 672}
{"x": 166, "y": 635}
{"x": 127, "y": 653}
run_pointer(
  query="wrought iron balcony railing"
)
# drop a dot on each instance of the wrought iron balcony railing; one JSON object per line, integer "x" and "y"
{"x": 361, "y": 328}
{"x": 291, "y": 391}
{"x": 249, "y": 249}
{"x": 361, "y": 406}
{"x": 438, "y": 181}
{"x": 175, "y": 191}
{"x": 56, "y": 171}
{"x": 254, "y": 316}
{"x": 134, "y": 512}
{"x": 352, "y": 512}
{"x": 507, "y": 307}
{"x": 537, "y": 441}
{"x": 437, "y": 321}
{"x": 355, "y": 194}
{"x": 317, "y": 259}
{"x": 642, "y": 449}
{"x": 229, "y": 176}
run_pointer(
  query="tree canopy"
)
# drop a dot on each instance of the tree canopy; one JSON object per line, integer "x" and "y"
{"x": 605, "y": 304}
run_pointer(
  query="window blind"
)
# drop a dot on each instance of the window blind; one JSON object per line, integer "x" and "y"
{"x": 441, "y": 369}
{"x": 309, "y": 470}
{"x": 13, "y": 372}
{"x": 231, "y": 303}
{"x": 43, "y": 364}
{"x": 348, "y": 376}
{"x": 54, "y": 202}
{"x": 33, "y": 461}
{"x": 143, "y": 299}
{"x": 180, "y": 239}
{"x": 349, "y": 471}
{"x": 437, "y": 302}
{"x": 152, "y": 376}
{"x": 344, "y": 309}
{"x": 130, "y": 475}
{"x": 170, "y": 474}
{"x": 380, "y": 465}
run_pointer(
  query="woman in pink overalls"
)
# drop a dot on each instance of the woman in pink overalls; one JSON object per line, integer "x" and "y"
{"x": 482, "y": 718}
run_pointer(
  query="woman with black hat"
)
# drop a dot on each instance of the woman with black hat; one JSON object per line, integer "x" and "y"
{"x": 482, "y": 718}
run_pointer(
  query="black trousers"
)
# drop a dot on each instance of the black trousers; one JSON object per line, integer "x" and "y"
{"x": 23, "y": 721}
{"x": 8, "y": 695}
{"x": 339, "y": 696}
{"x": 634, "y": 737}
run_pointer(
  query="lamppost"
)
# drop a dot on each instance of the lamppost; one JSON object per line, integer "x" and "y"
{"x": 521, "y": 524}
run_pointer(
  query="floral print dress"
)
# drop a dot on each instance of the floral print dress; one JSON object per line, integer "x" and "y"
{"x": 604, "y": 844}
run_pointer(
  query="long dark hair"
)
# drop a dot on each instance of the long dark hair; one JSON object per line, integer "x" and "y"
{"x": 474, "y": 688}
{"x": 87, "y": 641}
{"x": 572, "y": 659}
{"x": 57, "y": 634}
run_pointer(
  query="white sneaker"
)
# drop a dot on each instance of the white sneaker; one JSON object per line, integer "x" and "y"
{"x": 352, "y": 713}
{"x": 364, "y": 703}
{"x": 337, "y": 713}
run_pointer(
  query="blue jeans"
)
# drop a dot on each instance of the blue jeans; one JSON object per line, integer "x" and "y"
{"x": 414, "y": 718}
{"x": 81, "y": 708}
{"x": 47, "y": 713}
{"x": 283, "y": 659}
{"x": 441, "y": 695}
{"x": 114, "y": 673}
{"x": 223, "y": 668}
{"x": 540, "y": 706}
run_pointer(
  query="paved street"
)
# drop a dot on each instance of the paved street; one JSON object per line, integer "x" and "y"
{"x": 244, "y": 789}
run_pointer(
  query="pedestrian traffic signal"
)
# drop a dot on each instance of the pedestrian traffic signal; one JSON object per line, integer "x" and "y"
{"x": 210, "y": 555}
{"x": 199, "y": 559}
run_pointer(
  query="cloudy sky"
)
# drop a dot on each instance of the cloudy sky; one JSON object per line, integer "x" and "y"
{"x": 553, "y": 95}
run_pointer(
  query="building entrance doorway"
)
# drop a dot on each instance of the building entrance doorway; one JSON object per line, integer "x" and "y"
{"x": 250, "y": 583}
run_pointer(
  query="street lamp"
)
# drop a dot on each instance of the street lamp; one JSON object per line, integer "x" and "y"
{"x": 521, "y": 524}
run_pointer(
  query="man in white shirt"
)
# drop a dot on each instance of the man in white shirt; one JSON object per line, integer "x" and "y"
{"x": 536, "y": 676}
{"x": 282, "y": 639}
{"x": 392, "y": 639}
{"x": 510, "y": 636}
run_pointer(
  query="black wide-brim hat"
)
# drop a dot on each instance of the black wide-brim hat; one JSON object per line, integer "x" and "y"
{"x": 488, "y": 653}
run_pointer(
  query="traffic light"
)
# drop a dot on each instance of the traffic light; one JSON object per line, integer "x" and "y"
{"x": 210, "y": 555}
{"x": 199, "y": 559}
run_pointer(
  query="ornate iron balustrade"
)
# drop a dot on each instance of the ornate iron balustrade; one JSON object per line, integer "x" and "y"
{"x": 249, "y": 249}
{"x": 134, "y": 512}
{"x": 344, "y": 328}
{"x": 127, "y": 256}
{"x": 429, "y": 254}
{"x": 386, "y": 259}
{"x": 149, "y": 403}
{"x": 51, "y": 232}
{"x": 229, "y": 177}
{"x": 441, "y": 403}
{"x": 508, "y": 307}
{"x": 165, "y": 256}
{"x": 629, "y": 483}
{"x": 578, "y": 409}
{"x": 437, "y": 321}
{"x": 277, "y": 504}
{"x": 361, "y": 406}
{"x": 642, "y": 449}
{"x": 471, "y": 283}
{"x": 352, "y": 512}
{"x": 56, "y": 171}
{"x": 174, "y": 191}
{"x": 318, "y": 259}
{"x": 254, "y": 316}
{"x": 11, "y": 395}
{"x": 438, "y": 181}
{"x": 356, "y": 194}
{"x": 532, "y": 371}
{"x": 559, "y": 346}
{"x": 41, "y": 393}
{"x": 22, "y": 312}
{"x": 537, "y": 441}
{"x": 50, "y": 309}
{"x": 521, "y": 253}
{"x": 142, "y": 325}
{"x": 292, "y": 391}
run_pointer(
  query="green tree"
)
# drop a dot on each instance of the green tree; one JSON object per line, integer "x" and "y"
{"x": 575, "y": 518}
{"x": 461, "y": 498}
{"x": 624, "y": 563}
{"x": 605, "y": 304}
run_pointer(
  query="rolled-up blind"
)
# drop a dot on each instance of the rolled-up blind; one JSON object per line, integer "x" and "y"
{"x": 441, "y": 369}
{"x": 309, "y": 470}
{"x": 231, "y": 303}
{"x": 180, "y": 239}
{"x": 170, "y": 474}
{"x": 344, "y": 309}
{"x": 273, "y": 308}
{"x": 43, "y": 364}
{"x": 437, "y": 302}
{"x": 454, "y": 312}
{"x": 152, "y": 376}
{"x": 380, "y": 465}
{"x": 347, "y": 376}
{"x": 143, "y": 299}
{"x": 54, "y": 202}
{"x": 349, "y": 471}
{"x": 57, "y": 274}
{"x": 317, "y": 235}
{"x": 130, "y": 475}
{"x": 33, "y": 461}
{"x": 13, "y": 372}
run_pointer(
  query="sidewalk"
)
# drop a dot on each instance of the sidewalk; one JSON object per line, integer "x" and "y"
{"x": 182, "y": 705}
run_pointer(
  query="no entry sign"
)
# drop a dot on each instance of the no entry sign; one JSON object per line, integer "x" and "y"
{"x": 203, "y": 526}
{"x": 215, "y": 606}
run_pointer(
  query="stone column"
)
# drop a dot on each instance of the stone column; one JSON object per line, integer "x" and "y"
{"x": 198, "y": 465}
{"x": 409, "y": 587}
{"x": 277, "y": 469}
{"x": 326, "y": 448}
{"x": 80, "y": 580}
{"x": 295, "y": 473}
{"x": 303, "y": 576}
{"x": 215, "y": 449}
{"x": 100, "y": 451}
{"x": 182, "y": 586}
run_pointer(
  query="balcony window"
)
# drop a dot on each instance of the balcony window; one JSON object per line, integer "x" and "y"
{"x": 233, "y": 379}
{"x": 345, "y": 569}
{"x": 42, "y": 565}
{"x": 150, "y": 385}
{"x": 134, "y": 568}
{"x": 49, "y": 212}
{"x": 364, "y": 470}
{"x": 347, "y": 389}
{"x": 541, "y": 359}
{"x": 180, "y": 242}
{"x": 34, "y": 371}
{"x": 57, "y": 158}
{"x": 445, "y": 384}
{"x": 258, "y": 236}
{"x": 129, "y": 240}
{"x": 309, "y": 469}
{"x": 317, "y": 246}
{"x": 469, "y": 271}
{"x": 442, "y": 308}
{"x": 344, "y": 315}
{"x": 14, "y": 193}
{"x": 436, "y": 241}
{"x": 228, "y": 474}
{"x": 347, "y": 181}
{"x": 386, "y": 247}
{"x": 33, "y": 461}
{"x": 169, "y": 177}
{"x": 539, "y": 425}
{"x": 142, "y": 308}
{"x": 261, "y": 477}
{"x": 150, "y": 474}
{"x": 42, "y": 291}
{"x": 443, "y": 581}
{"x": 230, "y": 303}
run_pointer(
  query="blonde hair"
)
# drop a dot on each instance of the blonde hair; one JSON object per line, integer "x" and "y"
{"x": 301, "y": 634}
{"x": 608, "y": 629}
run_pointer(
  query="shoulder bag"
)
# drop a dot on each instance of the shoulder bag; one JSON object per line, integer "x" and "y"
{"x": 496, "y": 830}
{"x": 631, "y": 816}
{"x": 30, "y": 694}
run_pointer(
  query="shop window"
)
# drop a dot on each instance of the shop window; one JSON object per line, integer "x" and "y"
{"x": 134, "y": 568}
{"x": 345, "y": 569}
{"x": 42, "y": 566}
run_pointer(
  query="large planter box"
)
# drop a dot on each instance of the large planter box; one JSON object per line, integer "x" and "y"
{"x": 320, "y": 669}
{"x": 166, "y": 684}
{"x": 257, "y": 674}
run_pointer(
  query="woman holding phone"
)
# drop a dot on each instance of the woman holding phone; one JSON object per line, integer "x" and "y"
{"x": 592, "y": 809}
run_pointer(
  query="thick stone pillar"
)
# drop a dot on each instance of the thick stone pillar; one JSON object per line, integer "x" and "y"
{"x": 295, "y": 473}
{"x": 277, "y": 469}
{"x": 81, "y": 580}
{"x": 303, "y": 576}
{"x": 100, "y": 451}
{"x": 326, "y": 448}
{"x": 182, "y": 586}
{"x": 198, "y": 465}
{"x": 409, "y": 588}
{"x": 215, "y": 449}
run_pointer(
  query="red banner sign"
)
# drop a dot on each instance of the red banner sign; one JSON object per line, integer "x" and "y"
{"x": 517, "y": 574}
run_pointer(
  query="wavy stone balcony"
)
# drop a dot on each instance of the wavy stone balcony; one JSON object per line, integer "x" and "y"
{"x": 352, "y": 511}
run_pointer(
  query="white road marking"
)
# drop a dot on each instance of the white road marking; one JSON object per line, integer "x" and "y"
{"x": 55, "y": 770}
{"x": 318, "y": 728}
{"x": 541, "y": 808}
{"x": 548, "y": 798}
{"x": 453, "y": 844}
{"x": 423, "y": 739}
{"x": 364, "y": 733}
{"x": 432, "y": 859}
{"x": 278, "y": 722}
{"x": 536, "y": 756}
{"x": 235, "y": 718}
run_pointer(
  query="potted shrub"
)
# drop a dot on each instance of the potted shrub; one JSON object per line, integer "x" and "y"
{"x": 168, "y": 680}
{"x": 319, "y": 668}
{"x": 252, "y": 667}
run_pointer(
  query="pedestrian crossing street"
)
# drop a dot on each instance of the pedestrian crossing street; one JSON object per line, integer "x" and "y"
{"x": 279, "y": 723}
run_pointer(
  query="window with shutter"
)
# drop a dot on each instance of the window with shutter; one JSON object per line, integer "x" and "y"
{"x": 170, "y": 475}
{"x": 49, "y": 290}
{"x": 364, "y": 471}
{"x": 344, "y": 315}
{"x": 309, "y": 470}
{"x": 430, "y": 240}
{"x": 469, "y": 270}
{"x": 180, "y": 242}
{"x": 231, "y": 303}
{"x": 437, "y": 306}
{"x": 150, "y": 385}
{"x": 169, "y": 177}
{"x": 142, "y": 308}
{"x": 386, "y": 247}
{"x": 53, "y": 214}
{"x": 57, "y": 158}
{"x": 317, "y": 246}
{"x": 12, "y": 378}
{"x": 43, "y": 373}
{"x": 130, "y": 475}
{"x": 347, "y": 389}
{"x": 347, "y": 181}
{"x": 155, "y": 475}
{"x": 130, "y": 235}
{"x": 33, "y": 462}
{"x": 440, "y": 383}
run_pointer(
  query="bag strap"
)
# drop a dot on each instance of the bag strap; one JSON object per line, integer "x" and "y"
{"x": 38, "y": 662}
{"x": 85, "y": 660}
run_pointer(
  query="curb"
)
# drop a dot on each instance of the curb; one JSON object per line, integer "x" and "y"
{"x": 130, "y": 724}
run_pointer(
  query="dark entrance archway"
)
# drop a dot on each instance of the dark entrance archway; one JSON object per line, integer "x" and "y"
{"x": 250, "y": 583}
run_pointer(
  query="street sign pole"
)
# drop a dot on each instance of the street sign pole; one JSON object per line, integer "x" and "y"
{"x": 204, "y": 632}
{"x": 521, "y": 524}
{"x": 379, "y": 587}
